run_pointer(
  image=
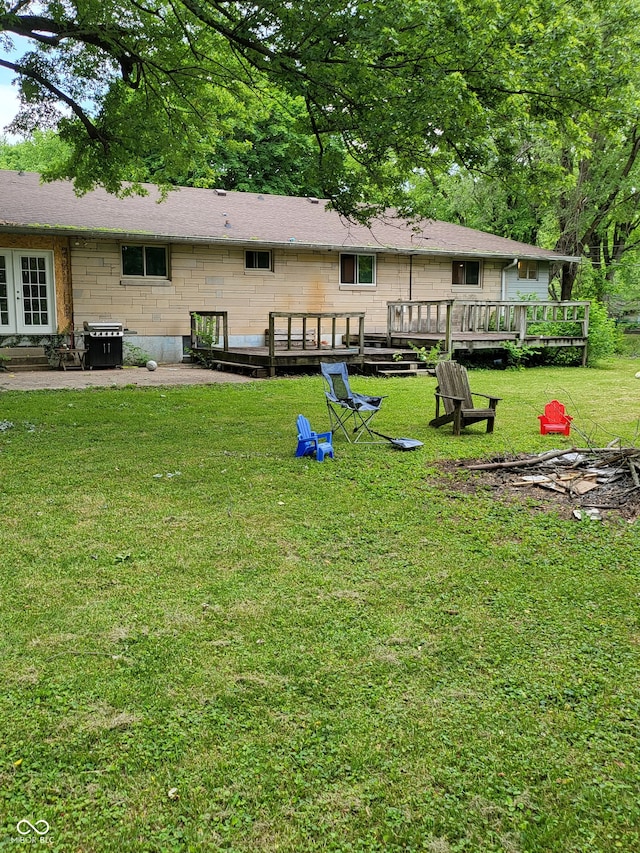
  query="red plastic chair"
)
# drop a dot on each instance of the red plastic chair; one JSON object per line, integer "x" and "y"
{"x": 555, "y": 419}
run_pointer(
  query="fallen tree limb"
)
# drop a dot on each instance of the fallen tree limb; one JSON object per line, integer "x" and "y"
{"x": 618, "y": 454}
{"x": 520, "y": 463}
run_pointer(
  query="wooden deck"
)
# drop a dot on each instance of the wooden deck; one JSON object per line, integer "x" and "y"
{"x": 256, "y": 361}
{"x": 297, "y": 341}
{"x": 293, "y": 341}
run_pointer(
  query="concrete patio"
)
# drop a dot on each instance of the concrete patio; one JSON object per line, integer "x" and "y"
{"x": 170, "y": 374}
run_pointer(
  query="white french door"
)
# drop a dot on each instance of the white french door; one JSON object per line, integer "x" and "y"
{"x": 27, "y": 304}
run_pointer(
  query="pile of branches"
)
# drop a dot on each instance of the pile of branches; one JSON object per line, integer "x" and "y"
{"x": 591, "y": 478}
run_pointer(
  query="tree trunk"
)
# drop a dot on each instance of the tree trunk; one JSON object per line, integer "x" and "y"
{"x": 567, "y": 280}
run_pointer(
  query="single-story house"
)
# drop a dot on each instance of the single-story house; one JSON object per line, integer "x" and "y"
{"x": 147, "y": 263}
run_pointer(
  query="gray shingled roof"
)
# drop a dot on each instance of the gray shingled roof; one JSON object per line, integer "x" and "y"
{"x": 211, "y": 216}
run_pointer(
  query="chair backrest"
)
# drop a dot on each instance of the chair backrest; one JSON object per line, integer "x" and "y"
{"x": 454, "y": 382}
{"x": 337, "y": 378}
{"x": 555, "y": 413}
{"x": 304, "y": 427}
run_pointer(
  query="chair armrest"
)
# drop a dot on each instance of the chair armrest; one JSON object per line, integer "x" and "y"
{"x": 486, "y": 396}
{"x": 449, "y": 397}
{"x": 323, "y": 436}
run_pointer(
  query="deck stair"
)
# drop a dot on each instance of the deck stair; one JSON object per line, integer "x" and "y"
{"x": 408, "y": 365}
{"x": 230, "y": 364}
{"x": 23, "y": 359}
{"x": 255, "y": 371}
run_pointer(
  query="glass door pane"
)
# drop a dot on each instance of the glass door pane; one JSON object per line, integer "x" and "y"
{"x": 33, "y": 291}
{"x": 7, "y": 295}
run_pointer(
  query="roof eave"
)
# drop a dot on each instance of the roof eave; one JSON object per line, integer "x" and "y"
{"x": 83, "y": 233}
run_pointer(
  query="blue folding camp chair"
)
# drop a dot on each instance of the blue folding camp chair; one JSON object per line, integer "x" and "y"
{"x": 344, "y": 406}
{"x": 312, "y": 443}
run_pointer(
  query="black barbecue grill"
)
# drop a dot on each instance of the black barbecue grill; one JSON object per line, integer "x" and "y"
{"x": 103, "y": 343}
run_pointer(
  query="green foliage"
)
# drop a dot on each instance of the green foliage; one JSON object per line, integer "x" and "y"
{"x": 500, "y": 207}
{"x": 50, "y": 343}
{"x": 271, "y": 154}
{"x": 207, "y": 330}
{"x": 36, "y": 154}
{"x": 54, "y": 342}
{"x": 262, "y": 147}
{"x": 429, "y": 355}
{"x": 208, "y": 334}
{"x": 567, "y": 181}
{"x": 604, "y": 339}
{"x": 518, "y": 356}
{"x": 603, "y": 334}
{"x": 387, "y": 88}
{"x": 630, "y": 345}
{"x": 134, "y": 356}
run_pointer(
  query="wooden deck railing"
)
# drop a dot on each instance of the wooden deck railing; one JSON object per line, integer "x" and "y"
{"x": 426, "y": 317}
{"x": 515, "y": 320}
{"x": 572, "y": 318}
{"x": 209, "y": 329}
{"x": 293, "y": 331}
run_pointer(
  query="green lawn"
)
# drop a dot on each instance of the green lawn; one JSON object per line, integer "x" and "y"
{"x": 263, "y": 653}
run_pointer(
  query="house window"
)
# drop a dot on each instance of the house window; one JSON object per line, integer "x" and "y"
{"x": 147, "y": 261}
{"x": 258, "y": 260}
{"x": 528, "y": 270}
{"x": 466, "y": 273}
{"x": 357, "y": 269}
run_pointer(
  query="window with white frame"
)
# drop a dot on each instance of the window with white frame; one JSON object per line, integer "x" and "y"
{"x": 357, "y": 269}
{"x": 466, "y": 274}
{"x": 145, "y": 261}
{"x": 258, "y": 260}
{"x": 528, "y": 270}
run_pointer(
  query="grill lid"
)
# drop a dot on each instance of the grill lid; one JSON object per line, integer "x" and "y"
{"x": 104, "y": 329}
{"x": 110, "y": 326}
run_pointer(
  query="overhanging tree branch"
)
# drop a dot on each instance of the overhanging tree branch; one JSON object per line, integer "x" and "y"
{"x": 108, "y": 39}
{"x": 93, "y": 132}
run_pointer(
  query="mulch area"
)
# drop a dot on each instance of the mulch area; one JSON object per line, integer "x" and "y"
{"x": 597, "y": 484}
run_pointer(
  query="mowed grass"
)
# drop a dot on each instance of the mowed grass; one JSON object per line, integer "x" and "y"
{"x": 263, "y": 653}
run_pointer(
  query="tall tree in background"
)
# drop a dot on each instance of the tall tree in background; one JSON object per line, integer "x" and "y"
{"x": 569, "y": 181}
{"x": 267, "y": 150}
{"x": 262, "y": 150}
{"x": 388, "y": 87}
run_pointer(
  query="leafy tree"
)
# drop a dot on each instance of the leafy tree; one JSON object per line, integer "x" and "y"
{"x": 569, "y": 181}
{"x": 387, "y": 86}
{"x": 266, "y": 153}
{"x": 35, "y": 154}
{"x": 271, "y": 155}
{"x": 267, "y": 150}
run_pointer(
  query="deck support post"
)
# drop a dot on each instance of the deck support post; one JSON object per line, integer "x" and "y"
{"x": 272, "y": 343}
{"x": 447, "y": 329}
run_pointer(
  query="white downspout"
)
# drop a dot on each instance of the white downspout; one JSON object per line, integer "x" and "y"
{"x": 503, "y": 278}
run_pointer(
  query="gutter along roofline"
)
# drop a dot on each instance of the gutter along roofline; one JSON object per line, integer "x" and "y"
{"x": 78, "y": 234}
